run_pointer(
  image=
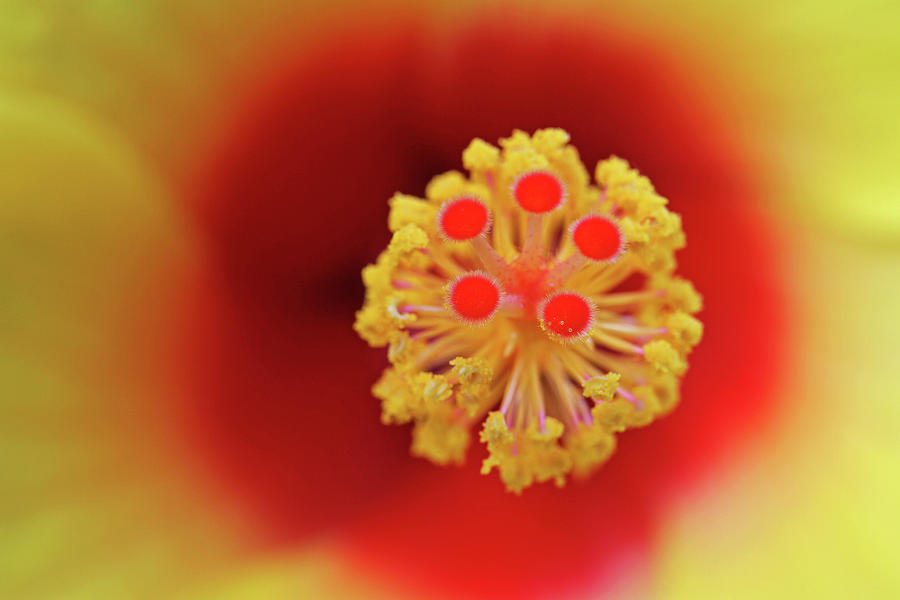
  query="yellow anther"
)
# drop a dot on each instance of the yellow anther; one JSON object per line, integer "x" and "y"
{"x": 550, "y": 141}
{"x": 666, "y": 224}
{"x": 397, "y": 318}
{"x": 679, "y": 294}
{"x": 613, "y": 415}
{"x": 399, "y": 403}
{"x": 589, "y": 447}
{"x": 664, "y": 357}
{"x": 372, "y": 325}
{"x": 666, "y": 386}
{"x": 441, "y": 439}
{"x": 403, "y": 350}
{"x": 471, "y": 371}
{"x": 406, "y": 210}
{"x": 634, "y": 232}
{"x": 495, "y": 430}
{"x": 611, "y": 170}
{"x": 407, "y": 239}
{"x": 433, "y": 388}
{"x": 377, "y": 277}
{"x": 601, "y": 387}
{"x": 531, "y": 455}
{"x": 647, "y": 406}
{"x": 481, "y": 156}
{"x": 684, "y": 330}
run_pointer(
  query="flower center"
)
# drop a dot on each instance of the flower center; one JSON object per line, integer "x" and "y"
{"x": 527, "y": 284}
{"x": 548, "y": 345}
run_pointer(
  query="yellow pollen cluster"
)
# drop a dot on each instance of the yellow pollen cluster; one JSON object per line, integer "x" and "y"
{"x": 525, "y": 328}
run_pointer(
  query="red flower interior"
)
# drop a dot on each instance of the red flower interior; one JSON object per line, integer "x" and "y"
{"x": 293, "y": 203}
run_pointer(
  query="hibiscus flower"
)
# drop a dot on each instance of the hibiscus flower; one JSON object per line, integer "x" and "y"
{"x": 186, "y": 396}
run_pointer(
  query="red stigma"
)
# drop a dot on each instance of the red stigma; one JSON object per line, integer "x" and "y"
{"x": 597, "y": 238}
{"x": 474, "y": 297}
{"x": 567, "y": 315}
{"x": 538, "y": 192}
{"x": 463, "y": 218}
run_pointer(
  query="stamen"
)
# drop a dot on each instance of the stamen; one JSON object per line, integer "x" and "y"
{"x": 627, "y": 395}
{"x": 536, "y": 404}
{"x": 625, "y": 298}
{"x": 442, "y": 349}
{"x": 560, "y": 357}
{"x": 604, "y": 277}
{"x": 422, "y": 308}
{"x": 474, "y": 297}
{"x": 571, "y": 400}
{"x": 630, "y": 329}
{"x": 511, "y": 388}
{"x": 615, "y": 343}
{"x": 445, "y": 263}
